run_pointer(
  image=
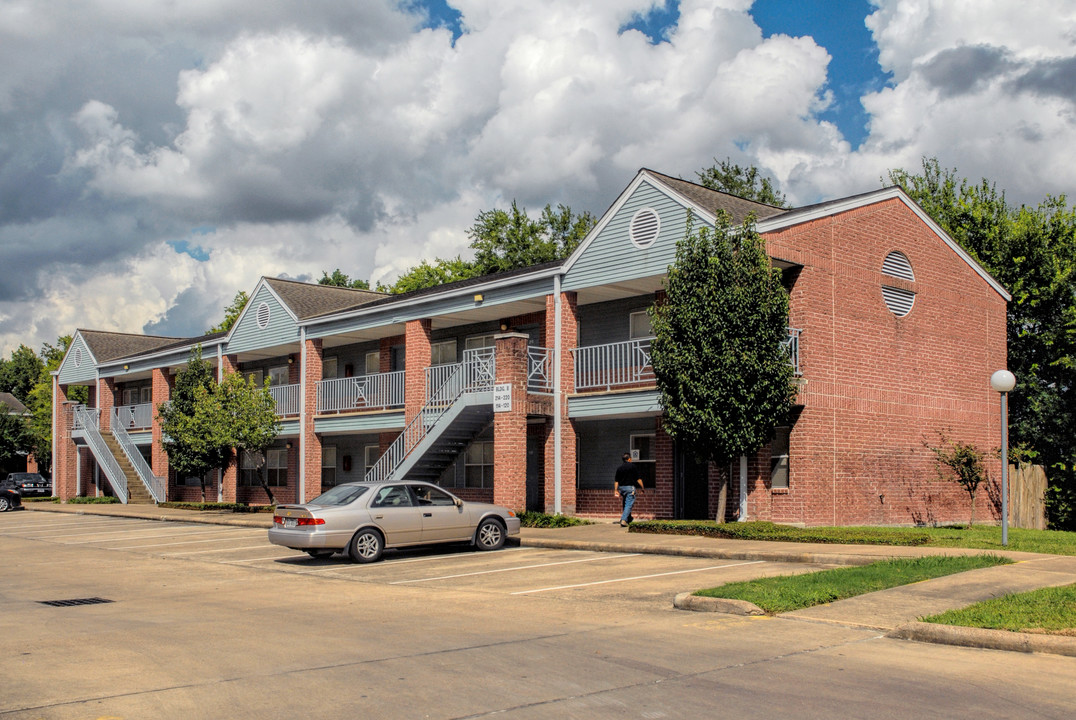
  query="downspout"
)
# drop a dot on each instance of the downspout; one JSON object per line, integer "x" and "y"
{"x": 557, "y": 395}
{"x": 302, "y": 418}
{"x": 743, "y": 489}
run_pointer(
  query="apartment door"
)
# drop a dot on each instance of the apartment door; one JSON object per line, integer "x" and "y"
{"x": 691, "y": 484}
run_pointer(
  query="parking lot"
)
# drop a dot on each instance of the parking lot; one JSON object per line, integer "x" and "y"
{"x": 514, "y": 570}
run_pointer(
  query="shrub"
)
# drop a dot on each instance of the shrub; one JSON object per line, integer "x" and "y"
{"x": 545, "y": 520}
{"x": 785, "y": 533}
{"x": 219, "y": 507}
{"x": 103, "y": 500}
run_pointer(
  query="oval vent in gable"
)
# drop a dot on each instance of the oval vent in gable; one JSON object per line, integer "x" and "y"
{"x": 644, "y": 228}
{"x": 898, "y": 300}
{"x": 263, "y": 316}
{"x": 78, "y": 357}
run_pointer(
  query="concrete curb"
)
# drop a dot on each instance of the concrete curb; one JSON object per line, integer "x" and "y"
{"x": 697, "y": 603}
{"x": 983, "y": 638}
{"x": 721, "y": 554}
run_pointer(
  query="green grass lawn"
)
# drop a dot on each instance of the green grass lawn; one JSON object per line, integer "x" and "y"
{"x": 792, "y": 592}
{"x": 1050, "y": 610}
{"x": 980, "y": 537}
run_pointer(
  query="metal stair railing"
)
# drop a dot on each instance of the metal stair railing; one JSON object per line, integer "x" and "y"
{"x": 153, "y": 483}
{"x": 87, "y": 420}
{"x": 477, "y": 372}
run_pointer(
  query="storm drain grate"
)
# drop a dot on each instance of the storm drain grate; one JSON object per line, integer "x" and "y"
{"x": 76, "y": 601}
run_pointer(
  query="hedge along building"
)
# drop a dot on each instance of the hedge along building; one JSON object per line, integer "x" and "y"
{"x": 524, "y": 388}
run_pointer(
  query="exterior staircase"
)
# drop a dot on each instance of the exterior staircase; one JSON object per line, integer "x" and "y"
{"x": 137, "y": 493}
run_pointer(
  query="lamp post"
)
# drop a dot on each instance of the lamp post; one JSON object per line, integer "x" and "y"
{"x": 1003, "y": 382}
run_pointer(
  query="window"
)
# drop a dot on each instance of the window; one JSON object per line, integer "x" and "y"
{"x": 640, "y": 326}
{"x": 426, "y": 495}
{"x": 193, "y": 481}
{"x": 328, "y": 466}
{"x": 642, "y": 455}
{"x": 478, "y": 465}
{"x": 130, "y": 396}
{"x": 329, "y": 368}
{"x": 478, "y": 341}
{"x": 443, "y": 353}
{"x": 273, "y": 465}
{"x": 392, "y": 496}
{"x": 278, "y": 375}
{"x": 373, "y": 362}
{"x": 370, "y": 455}
{"x": 779, "y": 459}
{"x": 277, "y": 467}
{"x": 250, "y": 464}
{"x": 258, "y": 376}
{"x": 146, "y": 394}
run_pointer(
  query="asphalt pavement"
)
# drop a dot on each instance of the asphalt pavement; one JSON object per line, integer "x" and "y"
{"x": 895, "y": 611}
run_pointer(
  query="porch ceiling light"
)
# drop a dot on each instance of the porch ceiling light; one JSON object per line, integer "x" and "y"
{"x": 478, "y": 297}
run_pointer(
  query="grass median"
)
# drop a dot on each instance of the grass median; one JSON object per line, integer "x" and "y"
{"x": 793, "y": 592}
{"x": 1047, "y": 610}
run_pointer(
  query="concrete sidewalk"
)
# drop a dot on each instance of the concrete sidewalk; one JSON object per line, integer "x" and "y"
{"x": 895, "y": 611}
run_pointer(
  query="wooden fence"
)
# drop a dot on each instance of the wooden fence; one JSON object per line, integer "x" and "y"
{"x": 1027, "y": 497}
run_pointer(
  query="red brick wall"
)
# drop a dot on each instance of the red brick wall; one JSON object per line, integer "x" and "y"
{"x": 106, "y": 400}
{"x": 419, "y": 355}
{"x": 877, "y": 386}
{"x": 312, "y": 370}
{"x": 569, "y": 338}
{"x": 510, "y": 428}
{"x": 163, "y": 383}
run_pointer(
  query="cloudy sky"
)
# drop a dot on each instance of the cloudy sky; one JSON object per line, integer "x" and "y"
{"x": 158, "y": 156}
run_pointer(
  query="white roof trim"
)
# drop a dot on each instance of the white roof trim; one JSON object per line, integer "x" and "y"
{"x": 253, "y": 294}
{"x": 794, "y": 217}
{"x": 76, "y": 337}
{"x": 640, "y": 177}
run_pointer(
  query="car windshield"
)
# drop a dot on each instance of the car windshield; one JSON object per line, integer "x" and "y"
{"x": 339, "y": 495}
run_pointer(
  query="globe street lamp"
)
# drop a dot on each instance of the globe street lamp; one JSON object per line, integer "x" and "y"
{"x": 1003, "y": 382}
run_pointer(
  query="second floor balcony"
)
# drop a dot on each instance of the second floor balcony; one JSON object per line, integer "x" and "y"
{"x": 378, "y": 391}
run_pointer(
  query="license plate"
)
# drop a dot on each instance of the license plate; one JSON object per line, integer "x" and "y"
{"x": 291, "y": 522}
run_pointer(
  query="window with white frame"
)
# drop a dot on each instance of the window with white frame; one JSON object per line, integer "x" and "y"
{"x": 193, "y": 481}
{"x": 276, "y": 467}
{"x": 370, "y": 455}
{"x": 329, "y": 368}
{"x": 443, "y": 352}
{"x": 130, "y": 396}
{"x": 250, "y": 466}
{"x": 779, "y": 458}
{"x": 478, "y": 341}
{"x": 258, "y": 376}
{"x": 273, "y": 466}
{"x": 278, "y": 375}
{"x": 478, "y": 465}
{"x": 373, "y": 362}
{"x": 642, "y": 455}
{"x": 146, "y": 394}
{"x": 639, "y": 326}
{"x": 328, "y": 466}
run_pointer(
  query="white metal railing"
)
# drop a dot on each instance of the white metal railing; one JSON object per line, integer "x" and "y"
{"x": 793, "y": 344}
{"x": 287, "y": 399}
{"x": 133, "y": 416}
{"x": 436, "y": 375}
{"x": 378, "y": 391}
{"x": 539, "y": 370}
{"x": 612, "y": 365}
{"x": 87, "y": 420}
{"x": 154, "y": 483}
{"x": 477, "y": 372}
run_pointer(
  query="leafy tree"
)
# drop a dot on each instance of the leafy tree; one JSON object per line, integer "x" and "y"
{"x": 962, "y": 463}
{"x": 231, "y": 313}
{"x": 19, "y": 374}
{"x": 719, "y": 350}
{"x": 205, "y": 420}
{"x": 427, "y": 274}
{"x": 745, "y": 182}
{"x": 39, "y": 403}
{"x": 339, "y": 279}
{"x": 506, "y": 240}
{"x": 1032, "y": 252}
{"x": 14, "y": 438}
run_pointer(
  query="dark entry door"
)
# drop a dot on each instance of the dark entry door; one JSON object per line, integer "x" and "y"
{"x": 692, "y": 486}
{"x": 535, "y": 481}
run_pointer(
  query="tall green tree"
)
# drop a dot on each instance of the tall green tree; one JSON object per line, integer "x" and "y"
{"x": 1032, "y": 252}
{"x": 341, "y": 279}
{"x": 427, "y": 274}
{"x": 719, "y": 350}
{"x": 14, "y": 439}
{"x": 205, "y": 421}
{"x": 231, "y": 313}
{"x": 746, "y": 182}
{"x": 510, "y": 239}
{"x": 21, "y": 372}
{"x": 39, "y": 403}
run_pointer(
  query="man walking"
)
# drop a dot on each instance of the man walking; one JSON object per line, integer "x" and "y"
{"x": 626, "y": 483}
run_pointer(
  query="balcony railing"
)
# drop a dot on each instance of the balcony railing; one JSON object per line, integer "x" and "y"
{"x": 539, "y": 370}
{"x": 288, "y": 400}
{"x": 133, "y": 417}
{"x": 380, "y": 391}
{"x": 477, "y": 371}
{"x": 626, "y": 364}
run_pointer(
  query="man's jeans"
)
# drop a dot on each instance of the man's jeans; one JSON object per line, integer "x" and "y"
{"x": 627, "y": 495}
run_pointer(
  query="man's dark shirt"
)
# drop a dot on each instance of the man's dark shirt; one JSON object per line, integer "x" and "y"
{"x": 627, "y": 475}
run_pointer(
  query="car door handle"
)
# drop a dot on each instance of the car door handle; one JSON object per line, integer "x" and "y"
{"x": 427, "y": 514}
{"x": 378, "y": 517}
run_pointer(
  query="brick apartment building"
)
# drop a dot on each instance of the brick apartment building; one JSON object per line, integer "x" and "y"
{"x": 524, "y": 388}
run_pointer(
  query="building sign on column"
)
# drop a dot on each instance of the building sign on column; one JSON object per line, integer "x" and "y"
{"x": 502, "y": 397}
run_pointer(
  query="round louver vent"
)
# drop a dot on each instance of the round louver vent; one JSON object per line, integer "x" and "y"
{"x": 77, "y": 356}
{"x": 644, "y": 229}
{"x": 898, "y": 300}
{"x": 896, "y": 265}
{"x": 263, "y": 316}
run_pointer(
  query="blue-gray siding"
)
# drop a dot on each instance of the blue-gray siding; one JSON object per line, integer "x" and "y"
{"x": 281, "y": 329}
{"x": 646, "y": 402}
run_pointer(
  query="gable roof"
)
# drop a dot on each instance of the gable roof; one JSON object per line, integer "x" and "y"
{"x": 107, "y": 346}
{"x": 715, "y": 201}
{"x": 14, "y": 407}
{"x": 306, "y": 300}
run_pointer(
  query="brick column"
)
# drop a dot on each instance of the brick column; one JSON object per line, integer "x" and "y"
{"x": 510, "y": 428}
{"x": 106, "y": 400}
{"x": 229, "y": 476}
{"x": 418, "y": 355}
{"x": 311, "y": 450}
{"x": 569, "y": 339}
{"x": 64, "y": 455}
{"x": 162, "y": 393}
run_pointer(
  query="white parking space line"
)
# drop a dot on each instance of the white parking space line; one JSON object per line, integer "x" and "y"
{"x": 126, "y": 531}
{"x": 66, "y": 527}
{"x": 385, "y": 564}
{"x": 179, "y": 533}
{"x": 514, "y": 569}
{"x": 183, "y": 542}
{"x": 202, "y": 552}
{"x": 637, "y": 577}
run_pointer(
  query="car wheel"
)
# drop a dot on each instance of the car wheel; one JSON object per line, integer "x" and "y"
{"x": 490, "y": 535}
{"x": 5, "y": 504}
{"x": 316, "y": 554}
{"x": 366, "y": 546}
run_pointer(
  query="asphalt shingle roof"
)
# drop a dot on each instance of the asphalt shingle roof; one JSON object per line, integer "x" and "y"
{"x": 107, "y": 346}
{"x": 308, "y": 300}
{"x": 715, "y": 201}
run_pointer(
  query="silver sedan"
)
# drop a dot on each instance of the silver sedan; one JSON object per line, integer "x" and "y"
{"x": 365, "y": 518}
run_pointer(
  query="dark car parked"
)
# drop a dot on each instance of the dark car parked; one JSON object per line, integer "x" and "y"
{"x": 9, "y": 499}
{"x": 28, "y": 484}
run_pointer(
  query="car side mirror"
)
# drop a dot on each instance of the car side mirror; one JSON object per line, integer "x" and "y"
{"x": 457, "y": 502}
